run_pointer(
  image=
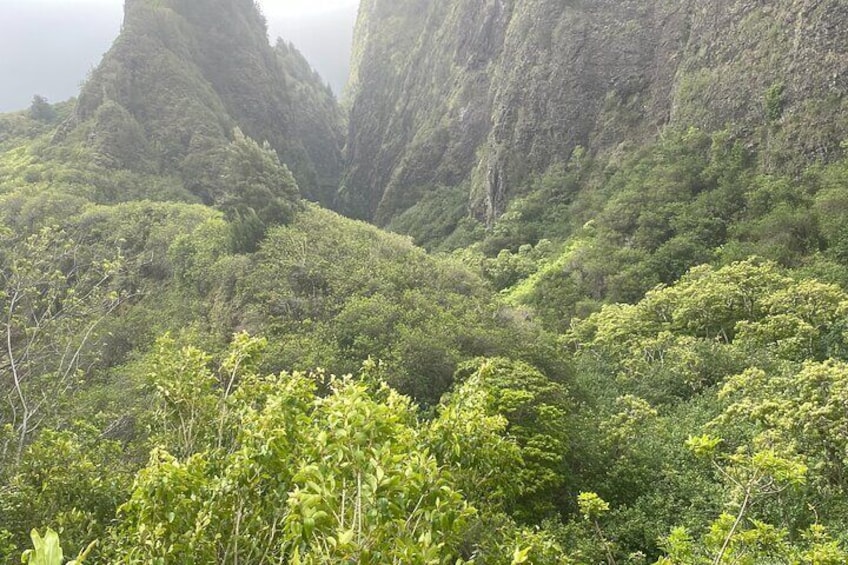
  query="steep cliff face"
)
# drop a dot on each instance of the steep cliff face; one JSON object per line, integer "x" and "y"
{"x": 488, "y": 94}
{"x": 419, "y": 98}
{"x": 183, "y": 74}
{"x": 776, "y": 71}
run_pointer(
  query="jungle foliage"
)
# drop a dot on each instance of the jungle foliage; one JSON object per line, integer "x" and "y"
{"x": 643, "y": 360}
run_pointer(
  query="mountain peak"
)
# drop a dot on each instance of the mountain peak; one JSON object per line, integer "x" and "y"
{"x": 184, "y": 74}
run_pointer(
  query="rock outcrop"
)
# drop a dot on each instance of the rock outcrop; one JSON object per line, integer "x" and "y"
{"x": 184, "y": 74}
{"x": 488, "y": 93}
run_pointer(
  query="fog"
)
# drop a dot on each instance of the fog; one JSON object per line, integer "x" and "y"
{"x": 48, "y": 47}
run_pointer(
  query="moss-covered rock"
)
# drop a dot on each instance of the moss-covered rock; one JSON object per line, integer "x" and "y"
{"x": 496, "y": 92}
{"x": 182, "y": 76}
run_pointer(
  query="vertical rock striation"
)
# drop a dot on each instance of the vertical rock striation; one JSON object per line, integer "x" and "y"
{"x": 492, "y": 92}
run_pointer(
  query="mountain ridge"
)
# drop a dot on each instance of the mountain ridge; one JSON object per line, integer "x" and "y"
{"x": 507, "y": 89}
{"x": 644, "y": 359}
{"x": 181, "y": 76}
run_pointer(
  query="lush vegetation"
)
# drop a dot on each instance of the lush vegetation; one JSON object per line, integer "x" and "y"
{"x": 644, "y": 360}
{"x": 92, "y": 384}
{"x": 177, "y": 82}
{"x": 174, "y": 373}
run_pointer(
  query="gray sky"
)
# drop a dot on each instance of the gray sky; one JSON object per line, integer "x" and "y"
{"x": 48, "y": 47}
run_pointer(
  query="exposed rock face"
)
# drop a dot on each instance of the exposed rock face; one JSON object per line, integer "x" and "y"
{"x": 491, "y": 92}
{"x": 778, "y": 67}
{"x": 183, "y": 74}
{"x": 420, "y": 101}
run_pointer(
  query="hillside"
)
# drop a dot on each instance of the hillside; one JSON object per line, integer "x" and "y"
{"x": 183, "y": 75}
{"x": 112, "y": 284}
{"x": 486, "y": 98}
{"x": 612, "y": 328}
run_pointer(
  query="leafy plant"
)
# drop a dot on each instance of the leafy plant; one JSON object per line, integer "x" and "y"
{"x": 47, "y": 550}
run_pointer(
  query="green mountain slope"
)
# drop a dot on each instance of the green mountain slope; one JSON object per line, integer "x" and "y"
{"x": 183, "y": 75}
{"x": 92, "y": 292}
{"x": 489, "y": 96}
{"x": 636, "y": 352}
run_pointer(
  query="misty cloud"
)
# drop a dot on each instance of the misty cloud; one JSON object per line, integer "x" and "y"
{"x": 48, "y": 47}
{"x": 325, "y": 40}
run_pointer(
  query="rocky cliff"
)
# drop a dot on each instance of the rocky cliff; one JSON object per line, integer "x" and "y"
{"x": 485, "y": 94}
{"x": 184, "y": 74}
